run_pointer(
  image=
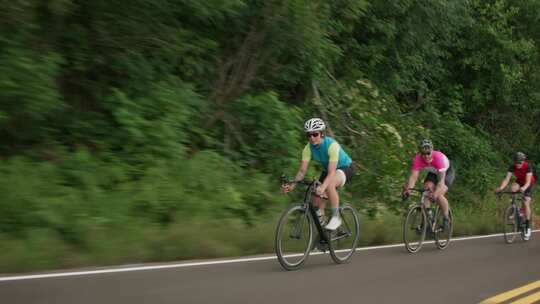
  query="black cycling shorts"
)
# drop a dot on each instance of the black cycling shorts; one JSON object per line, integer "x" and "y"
{"x": 448, "y": 180}
{"x": 349, "y": 171}
{"x": 529, "y": 191}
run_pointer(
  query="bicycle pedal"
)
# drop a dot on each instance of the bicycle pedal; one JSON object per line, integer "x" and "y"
{"x": 341, "y": 233}
{"x": 320, "y": 246}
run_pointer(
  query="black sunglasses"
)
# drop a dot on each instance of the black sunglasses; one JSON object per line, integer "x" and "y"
{"x": 316, "y": 134}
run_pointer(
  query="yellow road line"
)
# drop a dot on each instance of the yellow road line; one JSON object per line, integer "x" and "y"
{"x": 512, "y": 293}
{"x": 528, "y": 299}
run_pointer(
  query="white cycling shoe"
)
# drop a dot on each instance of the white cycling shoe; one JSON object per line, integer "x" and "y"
{"x": 527, "y": 235}
{"x": 334, "y": 223}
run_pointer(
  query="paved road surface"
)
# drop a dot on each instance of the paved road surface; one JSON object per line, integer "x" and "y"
{"x": 469, "y": 271}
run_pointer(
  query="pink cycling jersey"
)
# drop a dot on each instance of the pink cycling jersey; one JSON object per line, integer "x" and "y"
{"x": 439, "y": 163}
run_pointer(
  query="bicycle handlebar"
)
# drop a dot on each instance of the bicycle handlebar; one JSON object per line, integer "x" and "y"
{"x": 421, "y": 190}
{"x": 499, "y": 194}
{"x": 305, "y": 182}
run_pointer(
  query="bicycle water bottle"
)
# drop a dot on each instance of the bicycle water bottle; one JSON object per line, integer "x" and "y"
{"x": 521, "y": 212}
{"x": 429, "y": 215}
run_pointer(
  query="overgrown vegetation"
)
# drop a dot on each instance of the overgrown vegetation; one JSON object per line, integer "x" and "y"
{"x": 157, "y": 130}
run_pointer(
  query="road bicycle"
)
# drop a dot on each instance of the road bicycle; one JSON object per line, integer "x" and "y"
{"x": 299, "y": 231}
{"x": 421, "y": 220}
{"x": 514, "y": 217}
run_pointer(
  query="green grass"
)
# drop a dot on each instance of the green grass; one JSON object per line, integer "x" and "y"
{"x": 187, "y": 238}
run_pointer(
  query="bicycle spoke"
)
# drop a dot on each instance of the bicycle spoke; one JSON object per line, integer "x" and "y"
{"x": 414, "y": 229}
{"x": 510, "y": 224}
{"x": 294, "y": 236}
{"x": 443, "y": 235}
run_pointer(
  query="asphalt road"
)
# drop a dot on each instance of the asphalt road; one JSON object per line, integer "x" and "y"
{"x": 469, "y": 271}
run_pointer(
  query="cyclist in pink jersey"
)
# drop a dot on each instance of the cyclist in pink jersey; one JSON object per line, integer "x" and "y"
{"x": 439, "y": 178}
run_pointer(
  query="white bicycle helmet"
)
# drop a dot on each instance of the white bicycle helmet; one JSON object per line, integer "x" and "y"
{"x": 314, "y": 125}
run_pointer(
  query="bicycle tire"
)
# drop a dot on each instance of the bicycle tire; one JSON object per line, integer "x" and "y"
{"x": 344, "y": 239}
{"x": 510, "y": 228}
{"x": 299, "y": 217}
{"x": 413, "y": 227}
{"x": 443, "y": 237}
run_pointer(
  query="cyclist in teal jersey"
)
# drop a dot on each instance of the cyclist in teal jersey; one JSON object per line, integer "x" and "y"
{"x": 338, "y": 167}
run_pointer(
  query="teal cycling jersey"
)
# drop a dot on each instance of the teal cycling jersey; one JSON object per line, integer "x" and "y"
{"x": 329, "y": 150}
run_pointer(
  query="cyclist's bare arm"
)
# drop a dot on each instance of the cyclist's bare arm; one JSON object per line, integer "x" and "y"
{"x": 299, "y": 176}
{"x": 528, "y": 179}
{"x": 505, "y": 182}
{"x": 413, "y": 176}
{"x": 302, "y": 170}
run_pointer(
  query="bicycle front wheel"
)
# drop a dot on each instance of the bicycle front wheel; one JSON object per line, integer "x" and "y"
{"x": 510, "y": 224}
{"x": 443, "y": 235}
{"x": 414, "y": 229}
{"x": 294, "y": 235}
{"x": 344, "y": 239}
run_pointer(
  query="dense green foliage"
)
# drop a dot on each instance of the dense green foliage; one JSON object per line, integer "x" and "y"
{"x": 123, "y": 125}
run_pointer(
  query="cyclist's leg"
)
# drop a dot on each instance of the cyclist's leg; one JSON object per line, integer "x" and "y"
{"x": 527, "y": 198}
{"x": 317, "y": 201}
{"x": 337, "y": 181}
{"x": 441, "y": 192}
{"x": 515, "y": 187}
{"x": 527, "y": 207}
{"x": 429, "y": 183}
{"x": 442, "y": 200}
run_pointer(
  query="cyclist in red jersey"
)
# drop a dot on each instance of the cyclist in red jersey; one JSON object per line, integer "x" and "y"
{"x": 525, "y": 180}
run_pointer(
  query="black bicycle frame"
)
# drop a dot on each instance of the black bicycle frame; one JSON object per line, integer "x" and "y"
{"x": 430, "y": 218}
{"x": 309, "y": 201}
{"x": 517, "y": 216}
{"x": 514, "y": 204}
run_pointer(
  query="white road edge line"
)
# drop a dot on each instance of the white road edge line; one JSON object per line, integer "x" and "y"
{"x": 180, "y": 265}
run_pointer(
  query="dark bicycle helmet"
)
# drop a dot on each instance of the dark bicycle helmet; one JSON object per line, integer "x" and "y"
{"x": 519, "y": 157}
{"x": 425, "y": 146}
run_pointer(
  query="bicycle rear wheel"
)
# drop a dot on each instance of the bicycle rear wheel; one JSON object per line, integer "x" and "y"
{"x": 344, "y": 239}
{"x": 510, "y": 224}
{"x": 294, "y": 235}
{"x": 443, "y": 236}
{"x": 414, "y": 229}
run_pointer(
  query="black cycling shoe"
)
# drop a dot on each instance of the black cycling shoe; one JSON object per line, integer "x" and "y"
{"x": 445, "y": 224}
{"x": 317, "y": 244}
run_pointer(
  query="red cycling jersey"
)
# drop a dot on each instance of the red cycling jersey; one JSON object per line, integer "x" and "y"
{"x": 521, "y": 173}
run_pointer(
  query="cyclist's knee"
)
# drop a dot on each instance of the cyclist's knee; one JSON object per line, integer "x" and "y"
{"x": 331, "y": 188}
{"x": 429, "y": 185}
{"x": 335, "y": 182}
{"x": 444, "y": 189}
